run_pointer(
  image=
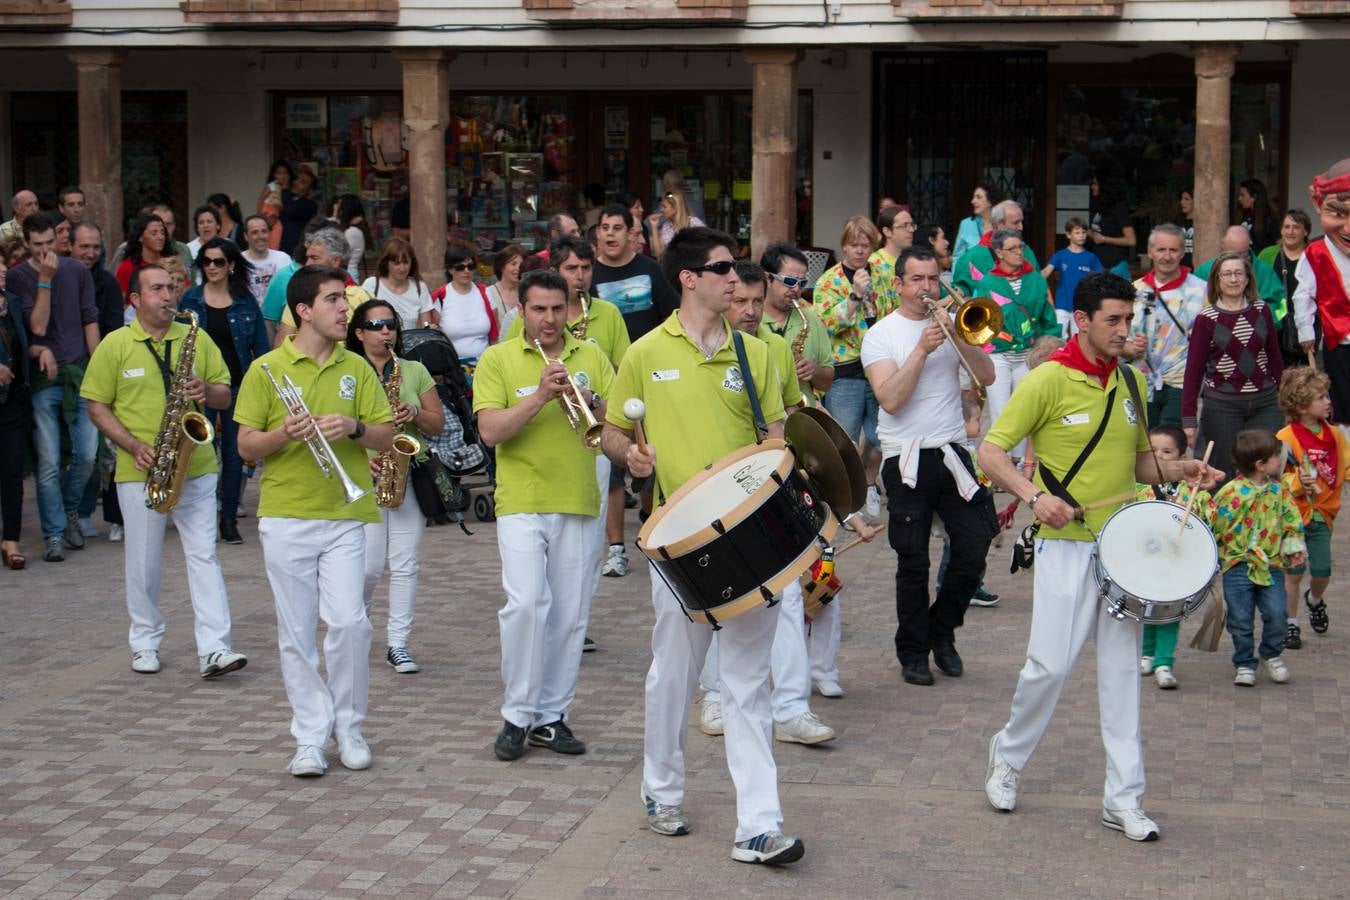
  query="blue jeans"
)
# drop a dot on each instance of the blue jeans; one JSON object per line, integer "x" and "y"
{"x": 854, "y": 407}
{"x": 231, "y": 463}
{"x": 58, "y": 493}
{"x": 1243, "y": 598}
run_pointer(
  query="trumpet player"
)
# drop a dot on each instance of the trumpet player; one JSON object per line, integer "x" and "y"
{"x": 314, "y": 501}
{"x": 375, "y": 333}
{"x": 548, "y": 503}
{"x": 128, "y": 385}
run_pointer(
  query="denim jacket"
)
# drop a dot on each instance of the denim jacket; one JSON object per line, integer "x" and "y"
{"x": 246, "y": 323}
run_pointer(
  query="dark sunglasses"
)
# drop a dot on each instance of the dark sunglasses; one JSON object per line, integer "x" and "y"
{"x": 721, "y": 267}
{"x": 461, "y": 267}
{"x": 212, "y": 262}
{"x": 379, "y": 324}
{"x": 788, "y": 281}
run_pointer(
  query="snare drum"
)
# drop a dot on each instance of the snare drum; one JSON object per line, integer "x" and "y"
{"x": 1149, "y": 568}
{"x": 738, "y": 532}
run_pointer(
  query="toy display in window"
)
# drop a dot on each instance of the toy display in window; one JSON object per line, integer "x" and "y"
{"x": 385, "y": 142}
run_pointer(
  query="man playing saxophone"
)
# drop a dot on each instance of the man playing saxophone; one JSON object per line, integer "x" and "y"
{"x": 310, "y": 515}
{"x": 376, "y": 334}
{"x": 788, "y": 317}
{"x": 133, "y": 375}
{"x": 547, "y": 505}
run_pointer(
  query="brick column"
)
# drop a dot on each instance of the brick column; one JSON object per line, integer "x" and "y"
{"x": 1214, "y": 65}
{"x": 426, "y": 113}
{"x": 773, "y": 137}
{"x": 99, "y": 81}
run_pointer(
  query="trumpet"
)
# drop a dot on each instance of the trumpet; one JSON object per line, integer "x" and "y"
{"x": 575, "y": 406}
{"x": 317, "y": 443}
{"x": 977, "y": 322}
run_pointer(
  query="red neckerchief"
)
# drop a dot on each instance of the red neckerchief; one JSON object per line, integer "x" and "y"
{"x": 999, "y": 270}
{"x": 1325, "y": 443}
{"x": 1072, "y": 356}
{"x": 1171, "y": 285}
{"x": 987, "y": 239}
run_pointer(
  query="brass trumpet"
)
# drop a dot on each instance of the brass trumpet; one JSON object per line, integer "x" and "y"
{"x": 575, "y": 406}
{"x": 977, "y": 322}
{"x": 317, "y": 443}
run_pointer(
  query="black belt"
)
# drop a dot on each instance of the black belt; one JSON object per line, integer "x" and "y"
{"x": 849, "y": 369}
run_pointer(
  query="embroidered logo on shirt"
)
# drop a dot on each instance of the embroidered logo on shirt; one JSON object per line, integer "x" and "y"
{"x": 666, "y": 375}
{"x": 1074, "y": 419}
{"x": 347, "y": 387}
{"x": 1131, "y": 414}
{"x": 734, "y": 381}
{"x": 133, "y": 373}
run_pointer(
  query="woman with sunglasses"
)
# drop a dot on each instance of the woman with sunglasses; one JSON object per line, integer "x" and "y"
{"x": 376, "y": 334}
{"x": 398, "y": 281}
{"x": 462, "y": 310}
{"x": 227, "y": 312}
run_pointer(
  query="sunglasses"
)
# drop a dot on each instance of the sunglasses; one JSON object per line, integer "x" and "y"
{"x": 379, "y": 325}
{"x": 212, "y": 262}
{"x": 461, "y": 267}
{"x": 721, "y": 267}
{"x": 788, "y": 281}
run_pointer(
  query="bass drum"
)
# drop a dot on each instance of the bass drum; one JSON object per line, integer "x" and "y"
{"x": 1151, "y": 569}
{"x": 738, "y": 532}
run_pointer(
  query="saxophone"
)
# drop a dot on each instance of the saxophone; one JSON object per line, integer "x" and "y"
{"x": 579, "y": 330}
{"x": 798, "y": 348}
{"x": 392, "y": 482}
{"x": 181, "y": 430}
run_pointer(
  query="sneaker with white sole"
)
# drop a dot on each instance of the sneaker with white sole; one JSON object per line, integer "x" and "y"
{"x": 220, "y": 662}
{"x": 1246, "y": 677}
{"x": 1145, "y": 666}
{"x": 710, "y": 718}
{"x": 663, "y": 819}
{"x": 401, "y": 660}
{"x": 829, "y": 687}
{"x": 983, "y": 598}
{"x": 803, "y": 729}
{"x": 308, "y": 762}
{"x": 616, "y": 562}
{"x": 145, "y": 661}
{"x": 1135, "y": 825}
{"x": 771, "y": 848}
{"x": 1276, "y": 670}
{"x": 1166, "y": 680}
{"x": 872, "y": 505}
{"x": 1001, "y": 781}
{"x": 355, "y": 752}
{"x": 115, "y": 533}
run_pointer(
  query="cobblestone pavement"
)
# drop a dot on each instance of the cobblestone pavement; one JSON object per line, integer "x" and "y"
{"x": 116, "y": 784}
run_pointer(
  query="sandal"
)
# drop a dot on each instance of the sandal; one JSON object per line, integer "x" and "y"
{"x": 14, "y": 561}
{"x": 1317, "y": 615}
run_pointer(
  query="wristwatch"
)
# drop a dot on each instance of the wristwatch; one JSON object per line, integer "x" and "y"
{"x": 360, "y": 430}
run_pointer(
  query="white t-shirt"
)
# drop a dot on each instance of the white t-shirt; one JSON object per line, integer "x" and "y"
{"x": 356, "y": 241}
{"x": 415, "y": 299}
{"x": 504, "y": 316}
{"x": 933, "y": 413}
{"x": 262, "y": 273}
{"x": 464, "y": 320}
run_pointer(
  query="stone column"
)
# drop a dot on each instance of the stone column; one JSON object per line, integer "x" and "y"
{"x": 99, "y": 82}
{"x": 426, "y": 113}
{"x": 773, "y": 136}
{"x": 1214, "y": 65}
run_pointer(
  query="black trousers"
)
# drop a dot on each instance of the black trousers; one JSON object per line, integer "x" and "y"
{"x": 971, "y": 526}
{"x": 1336, "y": 363}
{"x": 14, "y": 434}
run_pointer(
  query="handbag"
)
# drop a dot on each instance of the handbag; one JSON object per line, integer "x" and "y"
{"x": 439, "y": 496}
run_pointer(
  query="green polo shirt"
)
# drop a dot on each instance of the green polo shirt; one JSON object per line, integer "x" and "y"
{"x": 293, "y": 486}
{"x": 1059, "y": 409}
{"x": 606, "y": 329}
{"x": 544, "y": 467}
{"x": 817, "y": 348}
{"x": 123, "y": 374}
{"x": 783, "y": 363}
{"x": 697, "y": 408}
{"x": 416, "y": 382}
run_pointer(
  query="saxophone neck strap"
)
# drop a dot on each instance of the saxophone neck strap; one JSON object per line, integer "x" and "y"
{"x": 165, "y": 371}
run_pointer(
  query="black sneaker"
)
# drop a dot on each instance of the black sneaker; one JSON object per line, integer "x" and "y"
{"x": 1317, "y": 615}
{"x": 1293, "y": 638}
{"x": 917, "y": 672}
{"x": 588, "y": 645}
{"x": 556, "y": 736}
{"x": 229, "y": 532}
{"x": 510, "y": 743}
{"x": 947, "y": 660}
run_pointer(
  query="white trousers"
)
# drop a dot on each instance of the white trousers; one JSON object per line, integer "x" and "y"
{"x": 143, "y": 551}
{"x": 396, "y": 538}
{"x": 789, "y": 663}
{"x": 591, "y": 577}
{"x": 1065, "y": 613}
{"x": 678, "y": 650}
{"x": 822, "y": 642}
{"x": 546, "y": 561}
{"x": 1009, "y": 370}
{"x": 315, "y": 567}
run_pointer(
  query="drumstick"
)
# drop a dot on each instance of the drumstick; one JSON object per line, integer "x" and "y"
{"x": 1109, "y": 501}
{"x": 634, "y": 410}
{"x": 1186, "y": 516}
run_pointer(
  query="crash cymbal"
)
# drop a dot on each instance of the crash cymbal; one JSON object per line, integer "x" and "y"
{"x": 816, "y": 454}
{"x": 848, "y": 454}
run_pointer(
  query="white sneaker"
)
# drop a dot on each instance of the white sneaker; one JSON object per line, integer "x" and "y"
{"x": 1145, "y": 665}
{"x": 308, "y": 762}
{"x": 828, "y": 687}
{"x": 1133, "y": 822}
{"x": 803, "y": 729}
{"x": 1276, "y": 670}
{"x": 772, "y": 848}
{"x": 355, "y": 752}
{"x": 872, "y": 505}
{"x": 710, "y": 718}
{"x": 1166, "y": 680}
{"x": 616, "y": 562}
{"x": 87, "y": 527}
{"x": 1000, "y": 781}
{"x": 115, "y": 533}
{"x": 145, "y": 661}
{"x": 1246, "y": 677}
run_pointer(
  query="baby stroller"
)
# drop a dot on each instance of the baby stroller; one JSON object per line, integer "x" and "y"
{"x": 458, "y": 446}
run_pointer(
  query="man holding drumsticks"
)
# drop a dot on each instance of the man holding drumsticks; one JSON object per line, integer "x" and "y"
{"x": 688, "y": 366}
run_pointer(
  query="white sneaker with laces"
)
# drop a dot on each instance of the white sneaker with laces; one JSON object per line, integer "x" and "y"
{"x": 1246, "y": 677}
{"x": 115, "y": 534}
{"x": 771, "y": 848}
{"x": 803, "y": 729}
{"x": 1276, "y": 670}
{"x": 1166, "y": 680}
{"x": 145, "y": 661}
{"x": 663, "y": 819}
{"x": 220, "y": 662}
{"x": 616, "y": 562}
{"x": 1133, "y": 822}
{"x": 307, "y": 762}
{"x": 355, "y": 752}
{"x": 1145, "y": 665}
{"x": 710, "y": 718}
{"x": 872, "y": 505}
{"x": 1000, "y": 781}
{"x": 828, "y": 687}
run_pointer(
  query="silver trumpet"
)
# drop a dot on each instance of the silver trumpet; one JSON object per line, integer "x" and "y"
{"x": 317, "y": 443}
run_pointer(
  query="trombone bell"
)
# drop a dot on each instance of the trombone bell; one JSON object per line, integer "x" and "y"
{"x": 978, "y": 321}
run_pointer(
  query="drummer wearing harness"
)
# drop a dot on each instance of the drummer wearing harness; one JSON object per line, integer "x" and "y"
{"x": 1077, "y": 405}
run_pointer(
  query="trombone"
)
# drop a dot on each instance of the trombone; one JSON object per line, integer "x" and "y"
{"x": 575, "y": 406}
{"x": 317, "y": 443}
{"x": 977, "y": 322}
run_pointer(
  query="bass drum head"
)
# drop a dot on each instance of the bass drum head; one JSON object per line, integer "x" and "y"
{"x": 1147, "y": 554}
{"x": 716, "y": 493}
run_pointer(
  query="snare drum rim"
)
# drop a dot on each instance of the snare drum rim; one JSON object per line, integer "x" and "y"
{"x": 731, "y": 517}
{"x": 1100, "y": 566}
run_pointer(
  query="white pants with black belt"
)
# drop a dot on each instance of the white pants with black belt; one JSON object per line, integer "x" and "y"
{"x": 396, "y": 538}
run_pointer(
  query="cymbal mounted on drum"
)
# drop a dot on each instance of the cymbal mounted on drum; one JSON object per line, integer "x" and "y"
{"x": 830, "y": 459}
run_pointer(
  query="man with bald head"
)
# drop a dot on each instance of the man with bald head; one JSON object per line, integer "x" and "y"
{"x": 1323, "y": 294}
{"x": 1269, "y": 285}
{"x": 560, "y": 225}
{"x": 24, "y": 204}
{"x": 976, "y": 262}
